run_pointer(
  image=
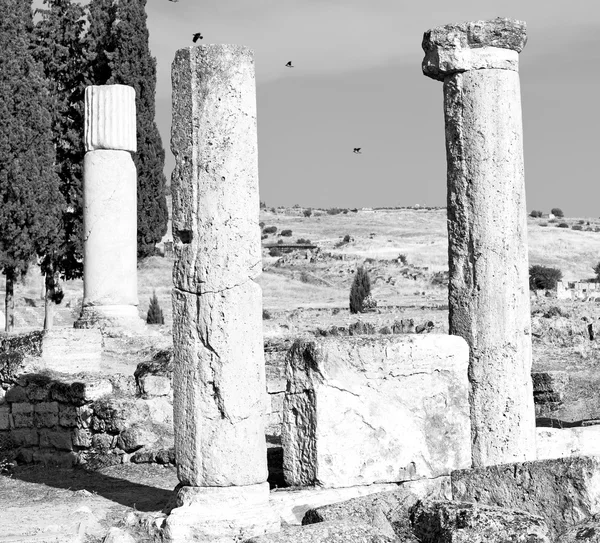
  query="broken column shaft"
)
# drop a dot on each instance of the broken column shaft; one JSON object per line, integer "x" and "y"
{"x": 487, "y": 228}
{"x": 219, "y": 373}
{"x": 110, "y": 208}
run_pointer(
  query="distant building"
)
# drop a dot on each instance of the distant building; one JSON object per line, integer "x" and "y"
{"x": 577, "y": 290}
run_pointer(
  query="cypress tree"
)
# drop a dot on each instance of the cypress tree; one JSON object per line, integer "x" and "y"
{"x": 360, "y": 289}
{"x": 155, "y": 314}
{"x": 119, "y": 39}
{"x": 59, "y": 47}
{"x": 30, "y": 220}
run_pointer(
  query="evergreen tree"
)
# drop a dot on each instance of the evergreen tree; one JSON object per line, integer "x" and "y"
{"x": 360, "y": 289}
{"x": 155, "y": 314}
{"x": 30, "y": 214}
{"x": 59, "y": 47}
{"x": 118, "y": 37}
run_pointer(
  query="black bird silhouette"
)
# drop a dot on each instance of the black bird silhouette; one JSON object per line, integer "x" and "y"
{"x": 197, "y": 36}
{"x": 357, "y": 150}
{"x": 289, "y": 64}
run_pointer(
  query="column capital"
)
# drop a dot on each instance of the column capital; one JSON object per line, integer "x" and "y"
{"x": 475, "y": 45}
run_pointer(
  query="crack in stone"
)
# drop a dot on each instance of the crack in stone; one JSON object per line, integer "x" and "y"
{"x": 219, "y": 291}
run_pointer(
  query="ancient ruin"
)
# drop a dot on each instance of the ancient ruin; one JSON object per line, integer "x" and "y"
{"x": 219, "y": 372}
{"x": 487, "y": 228}
{"x": 110, "y": 209}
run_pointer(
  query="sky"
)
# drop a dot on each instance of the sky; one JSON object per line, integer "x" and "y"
{"x": 357, "y": 82}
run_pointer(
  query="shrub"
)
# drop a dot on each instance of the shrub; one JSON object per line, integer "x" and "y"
{"x": 347, "y": 238}
{"x": 557, "y": 212}
{"x": 264, "y": 236}
{"x": 402, "y": 259}
{"x": 263, "y": 205}
{"x": 334, "y": 211}
{"x": 552, "y": 220}
{"x": 597, "y": 229}
{"x": 596, "y": 269}
{"x": 155, "y": 314}
{"x": 576, "y": 227}
{"x": 303, "y": 241}
{"x": 286, "y": 233}
{"x": 304, "y": 277}
{"x": 536, "y": 214}
{"x": 543, "y": 224}
{"x": 543, "y": 277}
{"x": 307, "y": 212}
{"x": 563, "y": 225}
{"x": 275, "y": 251}
{"x": 266, "y": 315}
{"x": 279, "y": 242}
{"x": 261, "y": 224}
{"x": 354, "y": 210}
{"x": 360, "y": 289}
{"x": 555, "y": 311}
{"x": 582, "y": 222}
{"x": 269, "y": 230}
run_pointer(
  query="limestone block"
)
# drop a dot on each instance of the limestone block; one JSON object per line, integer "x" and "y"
{"x": 387, "y": 511}
{"x": 565, "y": 442}
{"x": 335, "y": 531}
{"x": 82, "y": 437}
{"x": 72, "y": 350}
{"x": 220, "y": 514}
{"x": 219, "y": 387}
{"x": 587, "y": 531}
{"x": 563, "y": 491}
{"x": 110, "y": 118}
{"x": 25, "y": 437}
{"x": 45, "y": 414}
{"x": 451, "y": 522}
{"x": 160, "y": 410}
{"x": 155, "y": 385}
{"x": 4, "y": 417}
{"x": 215, "y": 180}
{"x": 51, "y": 457}
{"x": 118, "y": 535}
{"x": 110, "y": 229}
{"x": 363, "y": 410}
{"x": 475, "y": 45}
{"x": 136, "y": 437}
{"x": 22, "y": 414}
{"x": 38, "y": 392}
{"x": 57, "y": 439}
{"x": 68, "y": 415}
{"x": 16, "y": 394}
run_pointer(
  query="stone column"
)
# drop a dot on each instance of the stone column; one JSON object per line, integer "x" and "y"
{"x": 110, "y": 209}
{"x": 487, "y": 228}
{"x": 219, "y": 374}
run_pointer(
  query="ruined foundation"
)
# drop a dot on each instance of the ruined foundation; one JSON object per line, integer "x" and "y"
{"x": 488, "y": 287}
{"x": 219, "y": 373}
{"x": 110, "y": 209}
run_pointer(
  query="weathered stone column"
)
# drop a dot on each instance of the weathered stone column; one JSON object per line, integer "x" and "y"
{"x": 219, "y": 374}
{"x": 110, "y": 209}
{"x": 487, "y": 228}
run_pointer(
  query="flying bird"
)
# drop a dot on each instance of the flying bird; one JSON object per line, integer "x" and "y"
{"x": 197, "y": 36}
{"x": 289, "y": 64}
{"x": 357, "y": 150}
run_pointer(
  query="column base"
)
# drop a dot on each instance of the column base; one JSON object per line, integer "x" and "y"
{"x": 103, "y": 316}
{"x": 220, "y": 514}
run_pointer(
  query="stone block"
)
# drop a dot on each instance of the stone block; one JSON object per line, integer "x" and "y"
{"x": 110, "y": 118}
{"x": 565, "y": 442}
{"x": 334, "y": 531}
{"x": 56, "y": 439}
{"x": 103, "y": 442}
{"x": 54, "y": 458}
{"x": 38, "y": 392}
{"x": 25, "y": 437}
{"x": 563, "y": 491}
{"x": 224, "y": 514}
{"x": 136, "y": 437}
{"x": 72, "y": 350}
{"x": 160, "y": 409}
{"x": 68, "y": 415}
{"x": 16, "y": 394}
{"x": 82, "y": 437}
{"x": 22, "y": 414}
{"x": 455, "y": 522}
{"x": 155, "y": 385}
{"x": 45, "y": 414}
{"x": 363, "y": 410}
{"x": 4, "y": 418}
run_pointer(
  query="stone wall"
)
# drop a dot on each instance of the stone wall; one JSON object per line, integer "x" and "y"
{"x": 65, "y": 420}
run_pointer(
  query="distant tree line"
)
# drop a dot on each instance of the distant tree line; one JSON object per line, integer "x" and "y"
{"x": 45, "y": 65}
